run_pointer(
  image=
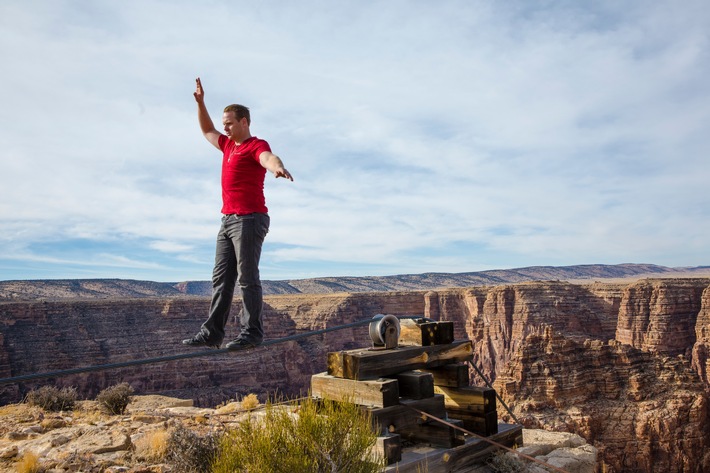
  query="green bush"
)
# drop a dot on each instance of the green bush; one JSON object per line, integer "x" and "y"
{"x": 53, "y": 399}
{"x": 188, "y": 452}
{"x": 315, "y": 436}
{"x": 114, "y": 400}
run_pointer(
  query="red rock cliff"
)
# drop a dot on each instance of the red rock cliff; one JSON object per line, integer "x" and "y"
{"x": 701, "y": 348}
{"x": 660, "y": 316}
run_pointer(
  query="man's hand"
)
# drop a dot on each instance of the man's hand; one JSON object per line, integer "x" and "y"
{"x": 199, "y": 91}
{"x": 206, "y": 125}
{"x": 283, "y": 172}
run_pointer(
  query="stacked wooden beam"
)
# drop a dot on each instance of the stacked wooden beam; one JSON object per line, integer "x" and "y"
{"x": 426, "y": 372}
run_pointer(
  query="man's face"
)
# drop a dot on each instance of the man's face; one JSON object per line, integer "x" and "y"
{"x": 236, "y": 130}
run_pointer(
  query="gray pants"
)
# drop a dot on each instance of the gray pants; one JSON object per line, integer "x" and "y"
{"x": 237, "y": 257}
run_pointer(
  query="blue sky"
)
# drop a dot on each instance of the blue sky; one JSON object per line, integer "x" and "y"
{"x": 448, "y": 136}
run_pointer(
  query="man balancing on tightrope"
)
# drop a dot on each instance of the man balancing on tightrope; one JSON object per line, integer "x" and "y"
{"x": 245, "y": 160}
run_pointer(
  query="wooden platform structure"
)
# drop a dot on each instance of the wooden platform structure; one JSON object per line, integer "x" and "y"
{"x": 417, "y": 393}
{"x": 432, "y": 459}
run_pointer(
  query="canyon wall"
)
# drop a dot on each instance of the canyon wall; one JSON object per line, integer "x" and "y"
{"x": 623, "y": 365}
{"x": 42, "y": 337}
{"x": 701, "y": 348}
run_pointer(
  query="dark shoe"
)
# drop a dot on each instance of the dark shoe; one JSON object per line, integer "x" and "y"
{"x": 240, "y": 344}
{"x": 199, "y": 341}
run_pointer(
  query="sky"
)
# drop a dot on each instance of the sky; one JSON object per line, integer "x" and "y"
{"x": 449, "y": 136}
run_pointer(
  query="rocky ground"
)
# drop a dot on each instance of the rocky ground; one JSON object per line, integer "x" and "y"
{"x": 88, "y": 440}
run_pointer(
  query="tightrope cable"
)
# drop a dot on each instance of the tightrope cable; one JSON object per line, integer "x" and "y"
{"x": 219, "y": 351}
{"x": 181, "y": 356}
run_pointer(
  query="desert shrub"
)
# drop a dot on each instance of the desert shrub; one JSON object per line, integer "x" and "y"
{"x": 315, "y": 436}
{"x": 51, "y": 398}
{"x": 114, "y": 399}
{"x": 503, "y": 462}
{"x": 189, "y": 452}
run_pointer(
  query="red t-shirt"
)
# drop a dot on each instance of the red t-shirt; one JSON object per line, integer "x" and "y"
{"x": 243, "y": 176}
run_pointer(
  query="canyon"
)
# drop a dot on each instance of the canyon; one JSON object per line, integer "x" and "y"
{"x": 624, "y": 365}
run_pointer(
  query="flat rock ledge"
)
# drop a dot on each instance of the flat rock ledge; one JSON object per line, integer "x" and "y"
{"x": 563, "y": 450}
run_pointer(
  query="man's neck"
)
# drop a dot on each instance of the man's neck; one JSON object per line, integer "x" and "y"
{"x": 242, "y": 139}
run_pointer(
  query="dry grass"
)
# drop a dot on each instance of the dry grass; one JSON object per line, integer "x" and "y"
{"x": 229, "y": 408}
{"x": 13, "y": 409}
{"x": 28, "y": 464}
{"x": 249, "y": 402}
{"x": 153, "y": 445}
{"x": 88, "y": 416}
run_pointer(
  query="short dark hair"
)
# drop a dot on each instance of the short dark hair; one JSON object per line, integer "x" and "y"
{"x": 240, "y": 111}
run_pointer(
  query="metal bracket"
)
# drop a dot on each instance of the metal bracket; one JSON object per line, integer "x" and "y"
{"x": 384, "y": 331}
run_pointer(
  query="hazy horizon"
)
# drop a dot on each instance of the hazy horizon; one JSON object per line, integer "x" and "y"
{"x": 423, "y": 137}
{"x": 702, "y": 270}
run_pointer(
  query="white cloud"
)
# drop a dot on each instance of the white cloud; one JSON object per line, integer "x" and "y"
{"x": 421, "y": 136}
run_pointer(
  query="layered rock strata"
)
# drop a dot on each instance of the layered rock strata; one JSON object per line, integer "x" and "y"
{"x": 701, "y": 348}
{"x": 660, "y": 316}
{"x": 643, "y": 412}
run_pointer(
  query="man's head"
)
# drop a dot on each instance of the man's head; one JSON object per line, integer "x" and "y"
{"x": 240, "y": 111}
{"x": 236, "y": 121}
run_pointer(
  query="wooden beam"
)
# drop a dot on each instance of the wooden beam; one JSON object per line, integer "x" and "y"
{"x": 388, "y": 447}
{"x": 469, "y": 398}
{"x": 372, "y": 364}
{"x": 417, "y": 332}
{"x": 454, "y": 375}
{"x": 377, "y": 393}
{"x": 397, "y": 418}
{"x": 434, "y": 433}
{"x": 415, "y": 384}
{"x": 481, "y": 424}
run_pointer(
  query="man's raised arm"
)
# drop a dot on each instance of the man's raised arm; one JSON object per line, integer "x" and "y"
{"x": 273, "y": 163}
{"x": 206, "y": 125}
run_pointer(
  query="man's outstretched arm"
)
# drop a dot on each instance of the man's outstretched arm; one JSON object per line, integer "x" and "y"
{"x": 206, "y": 125}
{"x": 273, "y": 163}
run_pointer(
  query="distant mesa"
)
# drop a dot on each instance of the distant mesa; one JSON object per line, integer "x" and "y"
{"x": 53, "y": 289}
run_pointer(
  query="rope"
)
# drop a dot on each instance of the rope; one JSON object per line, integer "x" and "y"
{"x": 182, "y": 356}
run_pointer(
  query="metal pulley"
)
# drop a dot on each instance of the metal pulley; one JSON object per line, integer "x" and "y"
{"x": 384, "y": 331}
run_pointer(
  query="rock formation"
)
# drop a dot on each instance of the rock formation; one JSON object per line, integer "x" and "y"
{"x": 701, "y": 348}
{"x": 660, "y": 316}
{"x": 623, "y": 365}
